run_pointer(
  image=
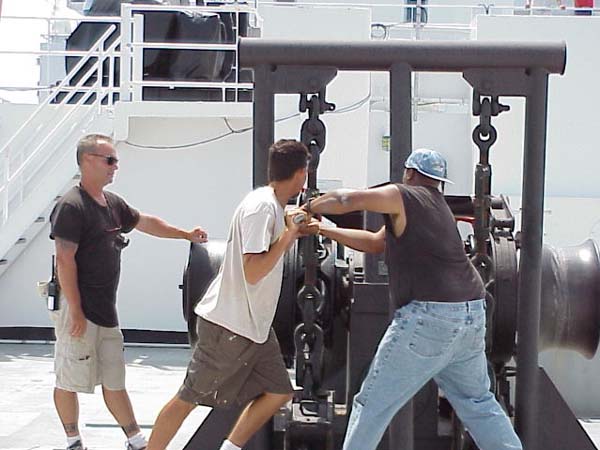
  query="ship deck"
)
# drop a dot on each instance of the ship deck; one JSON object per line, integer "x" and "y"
{"x": 28, "y": 420}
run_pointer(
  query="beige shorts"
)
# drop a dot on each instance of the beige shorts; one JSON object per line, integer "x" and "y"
{"x": 95, "y": 358}
{"x": 228, "y": 369}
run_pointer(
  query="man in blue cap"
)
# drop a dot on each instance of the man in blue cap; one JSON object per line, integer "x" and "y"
{"x": 438, "y": 330}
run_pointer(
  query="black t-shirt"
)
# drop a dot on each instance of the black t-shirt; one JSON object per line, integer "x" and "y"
{"x": 428, "y": 261}
{"x": 98, "y": 231}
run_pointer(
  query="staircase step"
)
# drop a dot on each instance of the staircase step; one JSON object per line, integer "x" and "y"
{"x": 33, "y": 212}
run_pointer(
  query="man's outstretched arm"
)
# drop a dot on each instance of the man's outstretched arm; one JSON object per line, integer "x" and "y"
{"x": 156, "y": 226}
{"x": 361, "y": 240}
{"x": 384, "y": 199}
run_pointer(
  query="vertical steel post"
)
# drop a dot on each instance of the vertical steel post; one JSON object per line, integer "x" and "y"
{"x": 100, "y": 75}
{"x": 137, "y": 71}
{"x": 401, "y": 429}
{"x": 400, "y": 119}
{"x": 126, "y": 52}
{"x": 530, "y": 273}
{"x": 264, "y": 124}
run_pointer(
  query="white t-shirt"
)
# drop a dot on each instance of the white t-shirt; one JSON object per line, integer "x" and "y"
{"x": 245, "y": 309}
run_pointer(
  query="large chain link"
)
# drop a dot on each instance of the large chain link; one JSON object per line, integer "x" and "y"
{"x": 484, "y": 136}
{"x": 308, "y": 335}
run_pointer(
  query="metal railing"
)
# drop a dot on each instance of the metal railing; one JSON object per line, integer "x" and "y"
{"x": 132, "y": 78}
{"x": 389, "y": 22}
{"x": 43, "y": 141}
{"x": 41, "y": 147}
{"x": 385, "y": 15}
{"x": 36, "y": 141}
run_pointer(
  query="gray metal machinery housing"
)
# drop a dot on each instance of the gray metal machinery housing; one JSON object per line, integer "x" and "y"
{"x": 332, "y": 311}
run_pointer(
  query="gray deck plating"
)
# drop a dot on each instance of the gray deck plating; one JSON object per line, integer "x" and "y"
{"x": 27, "y": 417}
{"x": 28, "y": 420}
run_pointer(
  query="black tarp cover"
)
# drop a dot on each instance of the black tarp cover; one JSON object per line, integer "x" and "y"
{"x": 168, "y": 27}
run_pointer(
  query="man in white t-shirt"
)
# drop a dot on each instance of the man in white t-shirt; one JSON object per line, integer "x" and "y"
{"x": 237, "y": 359}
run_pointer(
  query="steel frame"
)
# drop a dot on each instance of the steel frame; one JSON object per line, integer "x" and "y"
{"x": 493, "y": 69}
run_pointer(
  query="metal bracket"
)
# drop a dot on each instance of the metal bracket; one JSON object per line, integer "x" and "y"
{"x": 300, "y": 79}
{"x": 506, "y": 82}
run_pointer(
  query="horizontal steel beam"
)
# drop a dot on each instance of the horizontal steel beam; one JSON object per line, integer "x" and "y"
{"x": 424, "y": 56}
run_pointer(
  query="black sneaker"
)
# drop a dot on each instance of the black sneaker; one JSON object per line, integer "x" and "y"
{"x": 76, "y": 446}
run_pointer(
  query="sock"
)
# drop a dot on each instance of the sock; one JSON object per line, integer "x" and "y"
{"x": 228, "y": 445}
{"x": 138, "y": 441}
{"x": 72, "y": 439}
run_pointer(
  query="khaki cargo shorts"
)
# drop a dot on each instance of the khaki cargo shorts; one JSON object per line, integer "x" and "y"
{"x": 228, "y": 369}
{"x": 95, "y": 358}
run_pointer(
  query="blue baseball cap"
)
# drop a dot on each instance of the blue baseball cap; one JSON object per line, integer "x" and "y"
{"x": 429, "y": 163}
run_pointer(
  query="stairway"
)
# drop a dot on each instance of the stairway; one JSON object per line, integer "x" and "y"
{"x": 38, "y": 163}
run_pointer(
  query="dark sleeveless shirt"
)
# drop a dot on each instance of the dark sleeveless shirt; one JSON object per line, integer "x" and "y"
{"x": 428, "y": 261}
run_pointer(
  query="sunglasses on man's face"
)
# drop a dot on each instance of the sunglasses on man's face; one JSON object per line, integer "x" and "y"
{"x": 110, "y": 160}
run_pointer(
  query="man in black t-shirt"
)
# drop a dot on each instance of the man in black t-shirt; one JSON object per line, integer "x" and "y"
{"x": 88, "y": 225}
{"x": 438, "y": 329}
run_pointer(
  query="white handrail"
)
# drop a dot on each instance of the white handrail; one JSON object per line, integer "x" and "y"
{"x": 37, "y": 150}
{"x": 133, "y": 46}
{"x": 184, "y": 46}
{"x": 251, "y": 9}
{"x": 99, "y": 96}
{"x": 67, "y": 98}
{"x": 239, "y": 7}
{"x": 63, "y": 19}
{"x": 97, "y": 51}
{"x": 481, "y": 6}
{"x": 46, "y": 52}
{"x": 203, "y": 84}
{"x": 48, "y": 136}
{"x": 132, "y": 23}
{"x": 47, "y": 101}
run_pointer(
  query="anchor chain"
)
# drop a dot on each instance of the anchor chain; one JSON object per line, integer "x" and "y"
{"x": 484, "y": 136}
{"x": 308, "y": 335}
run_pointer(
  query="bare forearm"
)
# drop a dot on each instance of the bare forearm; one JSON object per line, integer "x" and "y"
{"x": 361, "y": 240}
{"x": 67, "y": 277}
{"x": 257, "y": 266}
{"x": 156, "y": 226}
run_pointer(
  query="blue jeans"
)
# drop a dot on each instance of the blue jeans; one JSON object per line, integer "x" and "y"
{"x": 425, "y": 340}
